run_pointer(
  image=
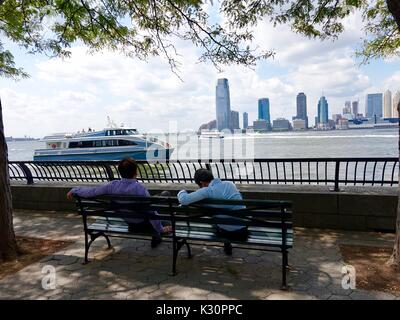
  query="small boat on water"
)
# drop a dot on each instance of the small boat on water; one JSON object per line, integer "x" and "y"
{"x": 113, "y": 143}
{"x": 210, "y": 134}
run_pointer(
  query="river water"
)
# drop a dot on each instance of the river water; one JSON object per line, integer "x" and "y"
{"x": 309, "y": 144}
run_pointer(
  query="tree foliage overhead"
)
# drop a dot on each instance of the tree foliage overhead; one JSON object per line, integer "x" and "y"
{"x": 143, "y": 28}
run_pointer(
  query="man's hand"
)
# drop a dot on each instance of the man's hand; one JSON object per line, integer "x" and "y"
{"x": 167, "y": 229}
{"x": 70, "y": 196}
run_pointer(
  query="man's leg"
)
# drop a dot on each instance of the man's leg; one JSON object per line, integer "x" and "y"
{"x": 241, "y": 234}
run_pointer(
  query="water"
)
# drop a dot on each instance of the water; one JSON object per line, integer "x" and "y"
{"x": 348, "y": 143}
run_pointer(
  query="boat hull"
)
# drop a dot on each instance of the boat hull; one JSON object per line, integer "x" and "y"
{"x": 159, "y": 154}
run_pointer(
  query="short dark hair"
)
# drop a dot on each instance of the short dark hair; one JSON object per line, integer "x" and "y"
{"x": 203, "y": 175}
{"x": 127, "y": 168}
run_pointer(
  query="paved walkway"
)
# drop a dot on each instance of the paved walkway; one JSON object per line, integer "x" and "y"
{"x": 132, "y": 270}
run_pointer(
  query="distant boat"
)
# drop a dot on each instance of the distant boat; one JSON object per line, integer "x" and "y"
{"x": 114, "y": 143}
{"x": 209, "y": 134}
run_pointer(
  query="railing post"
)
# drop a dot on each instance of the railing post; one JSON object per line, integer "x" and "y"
{"x": 109, "y": 171}
{"x": 27, "y": 172}
{"x": 337, "y": 171}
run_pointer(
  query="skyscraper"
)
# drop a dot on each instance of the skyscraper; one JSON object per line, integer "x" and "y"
{"x": 355, "y": 108}
{"x": 387, "y": 104}
{"x": 323, "y": 110}
{"x": 301, "y": 107}
{"x": 223, "y": 105}
{"x": 234, "y": 120}
{"x": 263, "y": 109}
{"x": 396, "y": 100}
{"x": 245, "y": 120}
{"x": 373, "y": 105}
{"x": 347, "y": 107}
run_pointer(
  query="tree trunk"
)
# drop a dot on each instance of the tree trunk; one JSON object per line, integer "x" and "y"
{"x": 395, "y": 258}
{"x": 8, "y": 244}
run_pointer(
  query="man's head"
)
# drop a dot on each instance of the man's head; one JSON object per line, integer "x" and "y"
{"x": 203, "y": 177}
{"x": 127, "y": 168}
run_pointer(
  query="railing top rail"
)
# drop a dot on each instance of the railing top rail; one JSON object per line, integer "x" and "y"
{"x": 324, "y": 159}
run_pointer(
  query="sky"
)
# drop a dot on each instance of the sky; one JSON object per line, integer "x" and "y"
{"x": 80, "y": 92}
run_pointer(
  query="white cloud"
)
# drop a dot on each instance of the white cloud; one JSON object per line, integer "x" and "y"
{"x": 79, "y": 92}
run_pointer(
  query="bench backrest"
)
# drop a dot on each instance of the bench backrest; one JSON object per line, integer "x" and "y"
{"x": 267, "y": 213}
{"x": 125, "y": 207}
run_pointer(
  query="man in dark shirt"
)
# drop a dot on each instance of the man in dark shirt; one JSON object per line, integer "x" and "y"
{"x": 128, "y": 185}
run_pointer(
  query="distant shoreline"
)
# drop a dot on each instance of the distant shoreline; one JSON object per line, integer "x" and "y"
{"x": 10, "y": 139}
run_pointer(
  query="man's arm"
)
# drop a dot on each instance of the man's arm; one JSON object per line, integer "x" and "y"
{"x": 88, "y": 192}
{"x": 186, "y": 198}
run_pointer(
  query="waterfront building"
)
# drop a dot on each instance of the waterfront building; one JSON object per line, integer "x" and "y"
{"x": 387, "y": 104}
{"x": 281, "y": 124}
{"x": 373, "y": 105}
{"x": 396, "y": 101}
{"x": 261, "y": 125}
{"x": 223, "y": 105}
{"x": 342, "y": 124}
{"x": 245, "y": 120}
{"x": 299, "y": 124}
{"x": 263, "y": 110}
{"x": 347, "y": 108}
{"x": 234, "y": 120}
{"x": 336, "y": 117}
{"x": 354, "y": 107}
{"x": 301, "y": 107}
{"x": 323, "y": 110}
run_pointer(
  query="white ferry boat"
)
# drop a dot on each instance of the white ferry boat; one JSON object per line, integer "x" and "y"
{"x": 113, "y": 143}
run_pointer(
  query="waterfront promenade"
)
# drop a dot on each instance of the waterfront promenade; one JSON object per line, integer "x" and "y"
{"x": 132, "y": 270}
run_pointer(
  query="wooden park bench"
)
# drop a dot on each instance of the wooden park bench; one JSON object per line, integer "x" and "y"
{"x": 269, "y": 223}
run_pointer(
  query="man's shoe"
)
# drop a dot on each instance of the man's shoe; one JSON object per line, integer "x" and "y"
{"x": 228, "y": 248}
{"x": 155, "y": 241}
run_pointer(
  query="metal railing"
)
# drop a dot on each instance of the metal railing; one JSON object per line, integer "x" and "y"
{"x": 295, "y": 171}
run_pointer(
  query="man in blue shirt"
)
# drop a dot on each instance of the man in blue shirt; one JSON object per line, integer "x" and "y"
{"x": 216, "y": 189}
{"x": 128, "y": 185}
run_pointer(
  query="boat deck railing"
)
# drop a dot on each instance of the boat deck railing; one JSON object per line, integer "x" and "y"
{"x": 291, "y": 171}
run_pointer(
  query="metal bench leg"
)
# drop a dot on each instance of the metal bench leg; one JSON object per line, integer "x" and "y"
{"x": 108, "y": 241}
{"x": 174, "y": 256}
{"x": 188, "y": 249}
{"x": 87, "y": 245}
{"x": 284, "y": 266}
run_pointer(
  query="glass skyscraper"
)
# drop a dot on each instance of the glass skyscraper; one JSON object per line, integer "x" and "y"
{"x": 223, "y": 105}
{"x": 245, "y": 120}
{"x": 373, "y": 105}
{"x": 301, "y": 106}
{"x": 235, "y": 120}
{"x": 323, "y": 110}
{"x": 263, "y": 109}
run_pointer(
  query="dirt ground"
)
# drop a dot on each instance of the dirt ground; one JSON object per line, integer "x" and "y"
{"x": 372, "y": 273}
{"x": 32, "y": 250}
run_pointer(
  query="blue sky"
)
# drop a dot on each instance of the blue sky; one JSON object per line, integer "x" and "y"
{"x": 80, "y": 92}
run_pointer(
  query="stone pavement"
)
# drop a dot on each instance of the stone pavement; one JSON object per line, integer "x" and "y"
{"x": 132, "y": 270}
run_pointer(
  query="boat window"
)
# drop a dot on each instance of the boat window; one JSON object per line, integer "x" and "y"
{"x": 101, "y": 143}
{"x": 87, "y": 144}
{"x": 76, "y": 144}
{"x": 126, "y": 143}
{"x": 110, "y": 143}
